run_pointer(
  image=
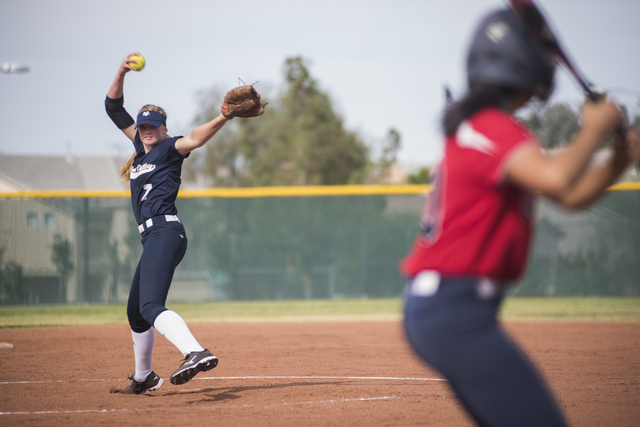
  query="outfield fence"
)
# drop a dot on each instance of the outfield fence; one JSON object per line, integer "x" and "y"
{"x": 75, "y": 247}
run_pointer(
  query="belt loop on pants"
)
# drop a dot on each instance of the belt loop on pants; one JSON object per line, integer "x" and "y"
{"x": 162, "y": 219}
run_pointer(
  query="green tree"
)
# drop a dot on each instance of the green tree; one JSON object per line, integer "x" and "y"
{"x": 554, "y": 125}
{"x": 381, "y": 167}
{"x": 61, "y": 257}
{"x": 304, "y": 142}
{"x": 300, "y": 140}
{"x": 422, "y": 176}
{"x": 222, "y": 163}
{"x": 557, "y": 124}
{"x": 12, "y": 289}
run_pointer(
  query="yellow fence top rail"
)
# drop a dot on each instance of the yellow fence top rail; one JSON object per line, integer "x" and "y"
{"x": 254, "y": 192}
{"x": 244, "y": 192}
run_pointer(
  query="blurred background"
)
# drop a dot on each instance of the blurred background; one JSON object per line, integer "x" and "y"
{"x": 355, "y": 91}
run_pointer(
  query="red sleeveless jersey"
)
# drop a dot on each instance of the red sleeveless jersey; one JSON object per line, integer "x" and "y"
{"x": 475, "y": 223}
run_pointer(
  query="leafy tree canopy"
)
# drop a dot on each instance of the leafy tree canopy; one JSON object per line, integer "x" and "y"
{"x": 422, "y": 176}
{"x": 300, "y": 140}
{"x": 556, "y": 124}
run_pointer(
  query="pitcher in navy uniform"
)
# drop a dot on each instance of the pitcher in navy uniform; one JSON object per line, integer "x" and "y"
{"x": 478, "y": 223}
{"x": 154, "y": 173}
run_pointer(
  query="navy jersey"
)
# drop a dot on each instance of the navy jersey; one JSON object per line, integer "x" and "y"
{"x": 155, "y": 179}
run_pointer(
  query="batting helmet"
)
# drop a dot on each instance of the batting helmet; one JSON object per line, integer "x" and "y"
{"x": 504, "y": 53}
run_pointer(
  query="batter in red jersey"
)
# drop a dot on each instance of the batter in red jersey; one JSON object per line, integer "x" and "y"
{"x": 487, "y": 219}
{"x": 477, "y": 225}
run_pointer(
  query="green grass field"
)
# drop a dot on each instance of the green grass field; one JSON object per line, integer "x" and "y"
{"x": 624, "y": 309}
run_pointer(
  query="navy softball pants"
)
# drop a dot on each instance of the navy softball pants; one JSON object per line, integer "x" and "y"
{"x": 164, "y": 246}
{"x": 452, "y": 324}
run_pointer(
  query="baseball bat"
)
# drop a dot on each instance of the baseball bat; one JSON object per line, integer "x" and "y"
{"x": 538, "y": 25}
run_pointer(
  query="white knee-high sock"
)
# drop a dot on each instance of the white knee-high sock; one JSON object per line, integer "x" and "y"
{"x": 173, "y": 327}
{"x": 143, "y": 352}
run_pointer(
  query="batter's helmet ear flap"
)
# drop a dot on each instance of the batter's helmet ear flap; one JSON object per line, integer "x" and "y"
{"x": 504, "y": 53}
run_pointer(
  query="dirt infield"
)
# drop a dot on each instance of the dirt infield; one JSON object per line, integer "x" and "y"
{"x": 292, "y": 374}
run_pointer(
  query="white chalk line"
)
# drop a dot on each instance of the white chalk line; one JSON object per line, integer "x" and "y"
{"x": 263, "y": 377}
{"x": 102, "y": 411}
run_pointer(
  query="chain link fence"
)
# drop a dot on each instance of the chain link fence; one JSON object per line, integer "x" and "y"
{"x": 76, "y": 250}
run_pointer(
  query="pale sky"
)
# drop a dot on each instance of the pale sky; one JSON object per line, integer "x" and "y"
{"x": 383, "y": 62}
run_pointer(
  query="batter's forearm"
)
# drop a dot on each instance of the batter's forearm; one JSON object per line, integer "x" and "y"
{"x": 593, "y": 183}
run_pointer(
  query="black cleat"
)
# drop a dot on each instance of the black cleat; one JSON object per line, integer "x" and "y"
{"x": 196, "y": 361}
{"x": 152, "y": 382}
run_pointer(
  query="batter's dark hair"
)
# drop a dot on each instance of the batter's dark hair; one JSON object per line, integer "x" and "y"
{"x": 125, "y": 170}
{"x": 478, "y": 98}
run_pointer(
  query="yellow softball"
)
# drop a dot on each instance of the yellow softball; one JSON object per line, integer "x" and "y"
{"x": 138, "y": 62}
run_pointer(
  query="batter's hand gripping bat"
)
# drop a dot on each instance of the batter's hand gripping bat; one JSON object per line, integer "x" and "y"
{"x": 537, "y": 24}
